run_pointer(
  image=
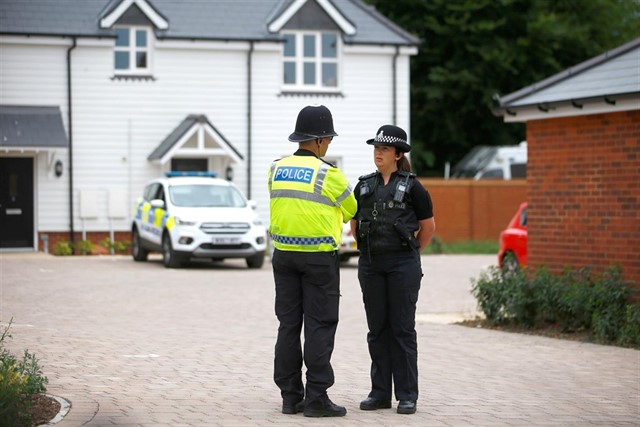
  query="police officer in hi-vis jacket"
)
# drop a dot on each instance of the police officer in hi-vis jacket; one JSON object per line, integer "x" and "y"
{"x": 393, "y": 225}
{"x": 310, "y": 199}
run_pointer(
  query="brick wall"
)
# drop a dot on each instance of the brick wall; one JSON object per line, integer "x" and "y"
{"x": 584, "y": 192}
{"x": 465, "y": 209}
{"x": 94, "y": 237}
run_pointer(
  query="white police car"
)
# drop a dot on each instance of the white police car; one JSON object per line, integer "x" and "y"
{"x": 195, "y": 215}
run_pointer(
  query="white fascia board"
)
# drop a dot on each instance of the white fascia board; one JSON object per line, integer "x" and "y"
{"x": 217, "y": 137}
{"x": 178, "y": 145}
{"x": 36, "y": 40}
{"x": 154, "y": 17}
{"x": 57, "y": 41}
{"x": 34, "y": 149}
{"x": 568, "y": 110}
{"x": 202, "y": 45}
{"x": 277, "y": 24}
{"x": 326, "y": 5}
{"x": 337, "y": 17}
{"x": 178, "y": 150}
{"x": 369, "y": 49}
{"x": 105, "y": 42}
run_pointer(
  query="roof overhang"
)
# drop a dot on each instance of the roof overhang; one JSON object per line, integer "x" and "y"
{"x": 150, "y": 12}
{"x": 341, "y": 21}
{"x": 194, "y": 137}
{"x": 603, "y": 84}
{"x": 31, "y": 129}
{"x": 569, "y": 108}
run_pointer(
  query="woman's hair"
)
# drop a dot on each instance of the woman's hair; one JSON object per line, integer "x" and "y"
{"x": 403, "y": 163}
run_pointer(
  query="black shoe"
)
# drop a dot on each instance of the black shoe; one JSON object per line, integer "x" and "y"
{"x": 407, "y": 407}
{"x": 325, "y": 409}
{"x": 371, "y": 404}
{"x": 292, "y": 408}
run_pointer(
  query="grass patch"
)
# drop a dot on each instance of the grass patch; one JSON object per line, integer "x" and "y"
{"x": 471, "y": 247}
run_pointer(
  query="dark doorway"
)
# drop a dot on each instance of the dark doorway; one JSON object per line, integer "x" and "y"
{"x": 16, "y": 202}
{"x": 189, "y": 165}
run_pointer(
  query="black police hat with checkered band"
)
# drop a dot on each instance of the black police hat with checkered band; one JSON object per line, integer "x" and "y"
{"x": 391, "y": 135}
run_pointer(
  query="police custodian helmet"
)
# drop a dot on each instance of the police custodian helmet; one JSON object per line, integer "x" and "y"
{"x": 314, "y": 121}
{"x": 391, "y": 135}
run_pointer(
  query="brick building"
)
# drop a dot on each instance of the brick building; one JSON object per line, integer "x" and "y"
{"x": 583, "y": 134}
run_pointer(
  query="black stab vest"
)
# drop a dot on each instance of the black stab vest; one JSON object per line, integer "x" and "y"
{"x": 386, "y": 221}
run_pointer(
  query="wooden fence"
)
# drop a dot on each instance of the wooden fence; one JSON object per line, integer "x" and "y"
{"x": 466, "y": 209}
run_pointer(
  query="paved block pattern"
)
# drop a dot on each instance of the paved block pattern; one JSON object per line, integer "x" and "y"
{"x": 135, "y": 344}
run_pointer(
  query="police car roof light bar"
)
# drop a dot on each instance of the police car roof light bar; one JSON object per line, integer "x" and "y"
{"x": 173, "y": 174}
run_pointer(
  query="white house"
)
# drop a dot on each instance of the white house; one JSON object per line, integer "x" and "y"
{"x": 99, "y": 96}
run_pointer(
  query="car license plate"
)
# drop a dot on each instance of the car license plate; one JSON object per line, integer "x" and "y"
{"x": 226, "y": 240}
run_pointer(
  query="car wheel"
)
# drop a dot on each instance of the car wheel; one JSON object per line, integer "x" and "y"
{"x": 169, "y": 257}
{"x": 139, "y": 253}
{"x": 255, "y": 261}
{"x": 510, "y": 263}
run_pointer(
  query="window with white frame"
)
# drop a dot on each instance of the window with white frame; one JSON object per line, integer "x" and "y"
{"x": 311, "y": 60}
{"x": 132, "y": 50}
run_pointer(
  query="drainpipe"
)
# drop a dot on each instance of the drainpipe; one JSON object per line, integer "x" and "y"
{"x": 69, "y": 119}
{"x": 249, "y": 112}
{"x": 395, "y": 86}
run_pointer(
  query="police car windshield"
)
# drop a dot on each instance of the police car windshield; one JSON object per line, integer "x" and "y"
{"x": 206, "y": 196}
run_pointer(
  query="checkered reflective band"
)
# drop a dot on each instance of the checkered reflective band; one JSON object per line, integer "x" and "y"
{"x": 381, "y": 137}
{"x": 305, "y": 241}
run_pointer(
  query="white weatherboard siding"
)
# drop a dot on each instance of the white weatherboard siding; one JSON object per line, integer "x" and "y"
{"x": 35, "y": 75}
{"x": 118, "y": 123}
{"x": 365, "y": 105}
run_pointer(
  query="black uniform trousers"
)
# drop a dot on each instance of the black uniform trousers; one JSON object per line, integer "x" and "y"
{"x": 307, "y": 292}
{"x": 390, "y": 285}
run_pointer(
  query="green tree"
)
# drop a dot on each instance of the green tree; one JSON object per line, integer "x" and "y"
{"x": 473, "y": 50}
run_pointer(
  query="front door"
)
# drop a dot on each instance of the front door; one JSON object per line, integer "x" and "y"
{"x": 16, "y": 202}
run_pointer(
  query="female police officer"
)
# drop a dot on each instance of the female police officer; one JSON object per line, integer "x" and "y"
{"x": 393, "y": 224}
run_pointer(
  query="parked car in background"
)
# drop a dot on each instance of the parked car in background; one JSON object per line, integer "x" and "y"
{"x": 195, "y": 215}
{"x": 493, "y": 162}
{"x": 513, "y": 241}
{"x": 348, "y": 246}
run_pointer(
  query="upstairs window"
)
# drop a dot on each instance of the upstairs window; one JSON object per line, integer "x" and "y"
{"x": 311, "y": 61}
{"x": 132, "y": 50}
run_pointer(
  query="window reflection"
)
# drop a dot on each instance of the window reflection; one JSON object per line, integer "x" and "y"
{"x": 309, "y": 73}
{"x": 309, "y": 46}
{"x": 329, "y": 46}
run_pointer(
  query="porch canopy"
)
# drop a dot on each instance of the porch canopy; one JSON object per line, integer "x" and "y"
{"x": 30, "y": 128}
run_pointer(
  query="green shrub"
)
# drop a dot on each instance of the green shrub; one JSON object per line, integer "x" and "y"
{"x": 63, "y": 248}
{"x": 85, "y": 247}
{"x": 574, "y": 301}
{"x": 118, "y": 247}
{"x": 491, "y": 292}
{"x": 19, "y": 381}
{"x": 630, "y": 333}
{"x": 609, "y": 303}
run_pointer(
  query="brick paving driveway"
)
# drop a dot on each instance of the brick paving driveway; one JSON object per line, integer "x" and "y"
{"x": 135, "y": 344}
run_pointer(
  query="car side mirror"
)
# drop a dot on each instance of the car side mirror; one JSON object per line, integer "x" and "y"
{"x": 157, "y": 203}
{"x": 252, "y": 204}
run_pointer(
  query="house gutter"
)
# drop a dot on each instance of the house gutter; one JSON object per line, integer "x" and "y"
{"x": 249, "y": 117}
{"x": 394, "y": 118}
{"x": 70, "y": 121}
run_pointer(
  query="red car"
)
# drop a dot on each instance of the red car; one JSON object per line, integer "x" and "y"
{"x": 513, "y": 241}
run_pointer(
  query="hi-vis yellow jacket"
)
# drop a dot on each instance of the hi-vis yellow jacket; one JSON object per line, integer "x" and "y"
{"x": 310, "y": 200}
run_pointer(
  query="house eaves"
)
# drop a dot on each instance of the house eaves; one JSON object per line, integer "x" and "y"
{"x": 341, "y": 21}
{"x": 191, "y": 125}
{"x": 607, "y": 82}
{"x": 145, "y": 6}
{"x": 224, "y": 20}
